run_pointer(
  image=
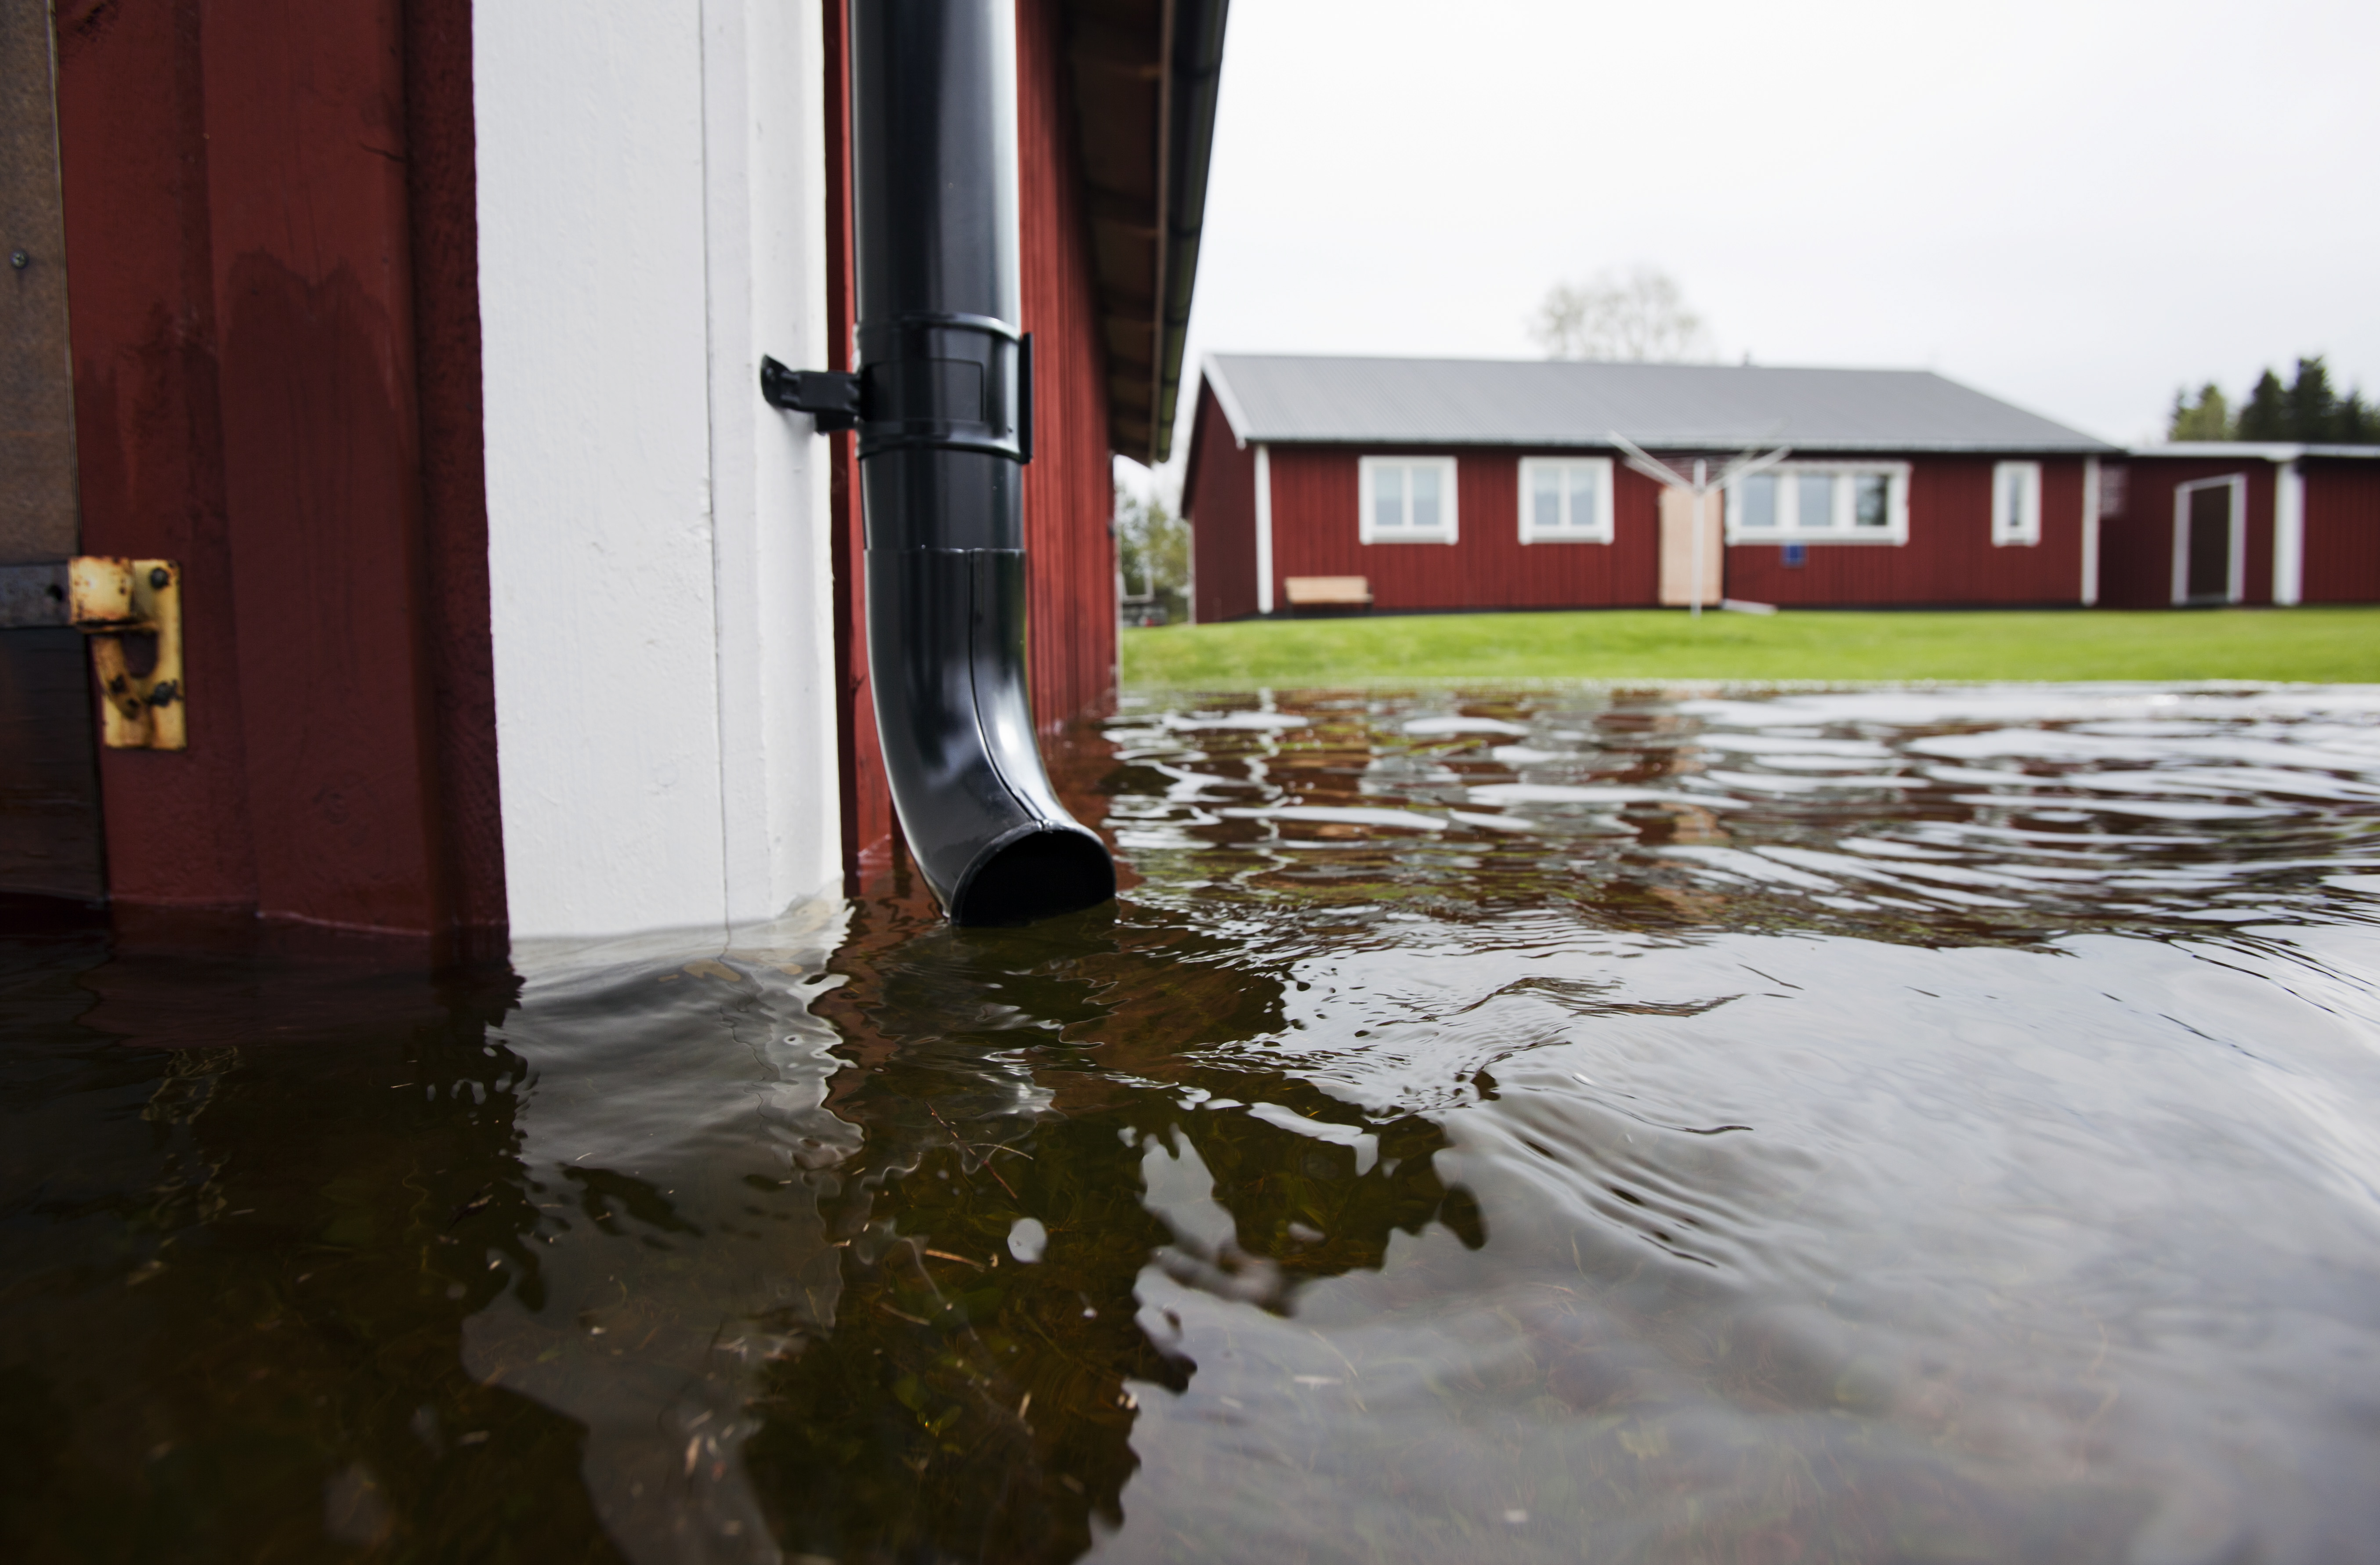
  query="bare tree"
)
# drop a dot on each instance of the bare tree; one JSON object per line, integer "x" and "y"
{"x": 1153, "y": 552}
{"x": 1641, "y": 317}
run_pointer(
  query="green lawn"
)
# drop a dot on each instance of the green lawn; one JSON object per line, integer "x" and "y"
{"x": 2327, "y": 645}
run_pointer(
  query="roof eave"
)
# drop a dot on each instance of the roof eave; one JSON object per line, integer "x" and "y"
{"x": 1226, "y": 398}
{"x": 1138, "y": 69}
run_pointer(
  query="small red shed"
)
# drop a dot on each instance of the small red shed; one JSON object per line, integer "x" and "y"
{"x": 2241, "y": 522}
{"x": 1468, "y": 484}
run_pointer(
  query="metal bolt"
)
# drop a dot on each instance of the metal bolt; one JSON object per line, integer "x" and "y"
{"x": 19, "y": 260}
{"x": 160, "y": 577}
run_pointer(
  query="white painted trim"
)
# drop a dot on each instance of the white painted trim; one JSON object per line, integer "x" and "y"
{"x": 1366, "y": 471}
{"x": 2235, "y": 584}
{"x": 650, "y": 210}
{"x": 2232, "y": 450}
{"x": 1228, "y": 401}
{"x": 764, "y": 157}
{"x": 1264, "y": 529}
{"x": 1839, "y": 529}
{"x": 2288, "y": 536}
{"x": 2090, "y": 531}
{"x": 2268, "y": 450}
{"x": 2021, "y": 532}
{"x": 2236, "y": 566}
{"x": 1598, "y": 529}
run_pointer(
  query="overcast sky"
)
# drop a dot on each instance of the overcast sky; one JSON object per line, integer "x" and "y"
{"x": 2077, "y": 207}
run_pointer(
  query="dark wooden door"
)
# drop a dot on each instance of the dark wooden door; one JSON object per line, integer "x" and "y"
{"x": 49, "y": 772}
{"x": 2209, "y": 567}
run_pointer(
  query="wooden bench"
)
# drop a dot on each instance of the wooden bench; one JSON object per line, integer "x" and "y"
{"x": 1329, "y": 592}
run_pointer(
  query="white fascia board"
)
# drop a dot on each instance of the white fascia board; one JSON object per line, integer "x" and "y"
{"x": 2224, "y": 450}
{"x": 1226, "y": 399}
{"x": 764, "y": 82}
{"x": 2247, "y": 450}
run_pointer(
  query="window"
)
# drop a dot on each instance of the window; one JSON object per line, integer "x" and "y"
{"x": 2016, "y": 502}
{"x": 2115, "y": 488}
{"x": 1799, "y": 502}
{"x": 1566, "y": 502}
{"x": 1406, "y": 500}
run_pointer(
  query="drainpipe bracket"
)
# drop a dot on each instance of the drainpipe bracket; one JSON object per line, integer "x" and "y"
{"x": 828, "y": 396}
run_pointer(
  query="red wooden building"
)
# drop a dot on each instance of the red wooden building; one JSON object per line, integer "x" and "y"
{"x": 2241, "y": 522}
{"x": 1471, "y": 484}
{"x": 422, "y": 339}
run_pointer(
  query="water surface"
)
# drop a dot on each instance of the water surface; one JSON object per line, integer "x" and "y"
{"x": 1869, "y": 1126}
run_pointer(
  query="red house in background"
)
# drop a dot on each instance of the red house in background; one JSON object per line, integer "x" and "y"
{"x": 2238, "y": 522}
{"x": 1486, "y": 484}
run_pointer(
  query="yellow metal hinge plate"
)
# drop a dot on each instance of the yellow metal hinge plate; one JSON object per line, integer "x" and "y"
{"x": 127, "y": 607}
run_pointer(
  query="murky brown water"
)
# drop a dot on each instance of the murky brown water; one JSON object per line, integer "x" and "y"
{"x": 1883, "y": 1126}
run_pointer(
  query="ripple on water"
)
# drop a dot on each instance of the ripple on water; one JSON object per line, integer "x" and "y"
{"x": 1872, "y": 1126}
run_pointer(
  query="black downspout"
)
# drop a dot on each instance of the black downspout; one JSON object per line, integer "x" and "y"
{"x": 945, "y": 422}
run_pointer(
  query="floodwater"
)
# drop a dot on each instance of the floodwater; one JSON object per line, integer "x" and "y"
{"x": 1931, "y": 1125}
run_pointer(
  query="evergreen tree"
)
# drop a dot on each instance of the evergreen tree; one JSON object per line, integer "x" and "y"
{"x": 2306, "y": 411}
{"x": 2266, "y": 415}
{"x": 2312, "y": 406}
{"x": 2207, "y": 419}
{"x": 2357, "y": 421}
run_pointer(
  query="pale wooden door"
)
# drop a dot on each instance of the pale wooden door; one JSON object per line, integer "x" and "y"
{"x": 1677, "y": 547}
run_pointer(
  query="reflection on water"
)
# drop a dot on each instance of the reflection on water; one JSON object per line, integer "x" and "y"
{"x": 1874, "y": 1126}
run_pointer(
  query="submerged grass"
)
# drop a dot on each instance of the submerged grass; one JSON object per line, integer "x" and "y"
{"x": 2324, "y": 645}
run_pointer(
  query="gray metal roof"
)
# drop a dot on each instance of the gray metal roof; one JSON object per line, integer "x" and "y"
{"x": 1276, "y": 397}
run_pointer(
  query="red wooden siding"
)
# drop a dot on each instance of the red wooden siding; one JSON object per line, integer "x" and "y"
{"x": 1219, "y": 496}
{"x": 2136, "y": 548}
{"x": 272, "y": 259}
{"x": 1069, "y": 493}
{"x": 132, "y": 139}
{"x": 1950, "y": 558}
{"x": 1315, "y": 533}
{"x": 2342, "y": 531}
{"x": 1069, "y": 485}
{"x": 868, "y": 826}
{"x": 442, "y": 191}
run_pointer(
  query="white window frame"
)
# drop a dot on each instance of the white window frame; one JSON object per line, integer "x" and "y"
{"x": 1597, "y": 528}
{"x": 2022, "y": 529}
{"x": 1450, "y": 528}
{"x": 1839, "y": 529}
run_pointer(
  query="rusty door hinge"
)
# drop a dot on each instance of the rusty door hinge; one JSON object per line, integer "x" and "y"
{"x": 119, "y": 603}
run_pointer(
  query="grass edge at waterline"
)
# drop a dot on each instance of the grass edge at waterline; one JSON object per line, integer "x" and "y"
{"x": 2302, "y": 645}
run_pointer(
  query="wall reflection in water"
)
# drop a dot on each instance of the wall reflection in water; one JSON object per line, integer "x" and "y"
{"x": 252, "y": 1204}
